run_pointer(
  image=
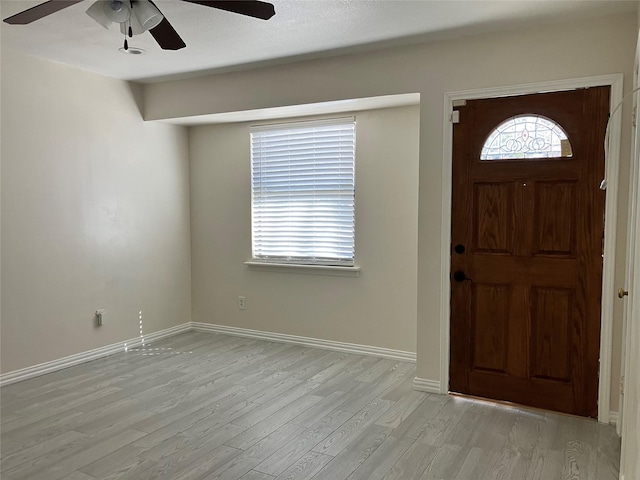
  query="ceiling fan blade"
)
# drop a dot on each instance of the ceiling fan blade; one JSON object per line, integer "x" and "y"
{"x": 166, "y": 36}
{"x": 36, "y": 13}
{"x": 252, "y": 8}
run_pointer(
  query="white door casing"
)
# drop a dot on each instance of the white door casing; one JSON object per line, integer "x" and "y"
{"x": 629, "y": 410}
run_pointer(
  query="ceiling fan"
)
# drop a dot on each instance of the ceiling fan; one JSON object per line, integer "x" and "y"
{"x": 138, "y": 16}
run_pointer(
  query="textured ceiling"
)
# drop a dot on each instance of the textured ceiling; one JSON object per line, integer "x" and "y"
{"x": 219, "y": 40}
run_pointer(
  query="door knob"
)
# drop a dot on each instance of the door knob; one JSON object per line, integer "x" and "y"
{"x": 459, "y": 276}
{"x": 622, "y": 293}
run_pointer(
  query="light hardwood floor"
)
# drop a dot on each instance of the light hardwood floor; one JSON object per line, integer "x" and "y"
{"x": 205, "y": 406}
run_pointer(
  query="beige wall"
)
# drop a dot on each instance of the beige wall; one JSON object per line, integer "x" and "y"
{"x": 378, "y": 308}
{"x": 95, "y": 214}
{"x": 555, "y": 51}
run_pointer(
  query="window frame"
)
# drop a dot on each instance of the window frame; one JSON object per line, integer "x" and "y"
{"x": 325, "y": 265}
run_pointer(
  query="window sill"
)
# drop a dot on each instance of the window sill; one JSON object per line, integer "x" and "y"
{"x": 305, "y": 269}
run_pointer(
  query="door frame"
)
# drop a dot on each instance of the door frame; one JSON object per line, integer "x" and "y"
{"x": 628, "y": 410}
{"x": 632, "y": 224}
{"x": 615, "y": 81}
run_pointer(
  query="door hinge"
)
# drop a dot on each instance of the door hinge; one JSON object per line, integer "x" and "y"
{"x": 622, "y": 385}
{"x": 634, "y": 116}
{"x": 455, "y": 114}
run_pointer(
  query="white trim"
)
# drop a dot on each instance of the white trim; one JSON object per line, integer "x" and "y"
{"x": 613, "y": 418}
{"x": 609, "y": 257}
{"x": 445, "y": 242}
{"x": 331, "y": 270}
{"x": 634, "y": 187}
{"x": 70, "y": 361}
{"x": 425, "y": 385}
{"x": 308, "y": 342}
{"x": 608, "y": 287}
{"x": 629, "y": 412}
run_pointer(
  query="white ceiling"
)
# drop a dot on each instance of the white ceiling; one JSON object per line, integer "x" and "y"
{"x": 218, "y": 40}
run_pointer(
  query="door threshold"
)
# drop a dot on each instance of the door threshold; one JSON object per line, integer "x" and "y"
{"x": 514, "y": 406}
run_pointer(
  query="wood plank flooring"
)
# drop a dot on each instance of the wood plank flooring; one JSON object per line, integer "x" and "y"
{"x": 201, "y": 406}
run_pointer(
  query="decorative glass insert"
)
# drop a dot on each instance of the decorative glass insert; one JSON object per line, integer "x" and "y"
{"x": 526, "y": 136}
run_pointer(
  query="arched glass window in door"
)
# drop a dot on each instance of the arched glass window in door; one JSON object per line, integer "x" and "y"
{"x": 526, "y": 136}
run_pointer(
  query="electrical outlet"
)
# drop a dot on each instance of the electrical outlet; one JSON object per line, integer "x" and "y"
{"x": 100, "y": 317}
{"x": 242, "y": 303}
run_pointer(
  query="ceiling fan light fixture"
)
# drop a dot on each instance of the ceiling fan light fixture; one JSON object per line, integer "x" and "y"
{"x": 147, "y": 14}
{"x": 148, "y": 18}
{"x": 96, "y": 11}
{"x": 133, "y": 22}
{"x": 117, "y": 11}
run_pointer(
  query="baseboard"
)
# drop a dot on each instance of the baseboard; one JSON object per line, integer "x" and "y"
{"x": 308, "y": 342}
{"x": 70, "y": 361}
{"x": 613, "y": 418}
{"x": 425, "y": 385}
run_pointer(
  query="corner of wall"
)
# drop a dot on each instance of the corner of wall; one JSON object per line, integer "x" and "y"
{"x": 137, "y": 93}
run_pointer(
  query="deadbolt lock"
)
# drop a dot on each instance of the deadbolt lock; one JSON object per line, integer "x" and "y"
{"x": 622, "y": 293}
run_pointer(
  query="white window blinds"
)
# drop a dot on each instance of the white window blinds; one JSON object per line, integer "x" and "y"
{"x": 302, "y": 189}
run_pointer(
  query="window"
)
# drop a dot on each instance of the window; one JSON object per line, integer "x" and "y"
{"x": 303, "y": 192}
{"x": 526, "y": 136}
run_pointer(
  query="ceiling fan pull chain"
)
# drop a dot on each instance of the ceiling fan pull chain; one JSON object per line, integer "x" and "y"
{"x": 130, "y": 29}
{"x": 126, "y": 43}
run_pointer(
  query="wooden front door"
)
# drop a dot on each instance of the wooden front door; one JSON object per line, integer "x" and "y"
{"x": 526, "y": 257}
